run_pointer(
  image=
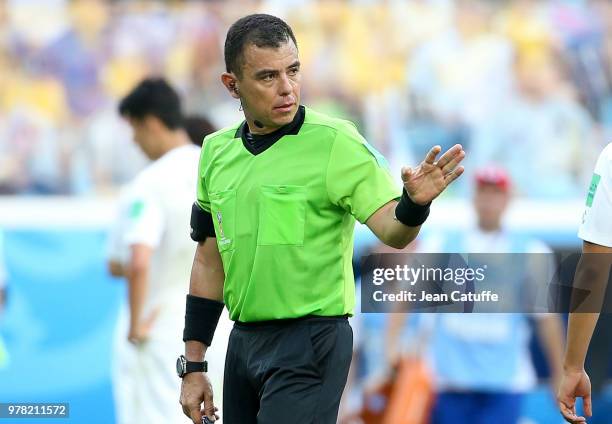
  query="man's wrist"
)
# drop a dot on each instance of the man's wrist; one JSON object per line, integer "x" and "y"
{"x": 195, "y": 351}
{"x": 573, "y": 368}
{"x": 185, "y": 367}
{"x": 410, "y": 213}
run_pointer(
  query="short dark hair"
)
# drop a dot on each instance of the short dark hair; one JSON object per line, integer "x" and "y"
{"x": 259, "y": 29}
{"x": 197, "y": 128}
{"x": 153, "y": 97}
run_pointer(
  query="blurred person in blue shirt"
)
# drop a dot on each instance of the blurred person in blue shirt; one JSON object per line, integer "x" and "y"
{"x": 481, "y": 362}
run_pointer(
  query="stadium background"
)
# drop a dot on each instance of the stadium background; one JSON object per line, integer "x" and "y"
{"x": 522, "y": 83}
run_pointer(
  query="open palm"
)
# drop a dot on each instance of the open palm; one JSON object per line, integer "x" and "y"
{"x": 430, "y": 178}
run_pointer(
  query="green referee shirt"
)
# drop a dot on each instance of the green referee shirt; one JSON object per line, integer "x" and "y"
{"x": 284, "y": 207}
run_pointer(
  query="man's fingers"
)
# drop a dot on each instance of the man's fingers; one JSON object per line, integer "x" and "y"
{"x": 452, "y": 164}
{"x": 209, "y": 406}
{"x": 406, "y": 173}
{"x": 569, "y": 414}
{"x": 208, "y": 400}
{"x": 431, "y": 156}
{"x": 588, "y": 406}
{"x": 196, "y": 415}
{"x": 449, "y": 155}
{"x": 453, "y": 175}
{"x": 210, "y": 414}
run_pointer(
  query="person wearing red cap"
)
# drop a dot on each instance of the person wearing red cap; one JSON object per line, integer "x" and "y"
{"x": 481, "y": 362}
{"x": 491, "y": 198}
{"x": 592, "y": 274}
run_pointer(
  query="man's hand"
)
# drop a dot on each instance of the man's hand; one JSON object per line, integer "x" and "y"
{"x": 195, "y": 390}
{"x": 425, "y": 182}
{"x": 574, "y": 384}
{"x": 139, "y": 332}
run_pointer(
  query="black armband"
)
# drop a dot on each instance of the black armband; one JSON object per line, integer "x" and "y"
{"x": 201, "y": 319}
{"x": 409, "y": 213}
{"x": 201, "y": 223}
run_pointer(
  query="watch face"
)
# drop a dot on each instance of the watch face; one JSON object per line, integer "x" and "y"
{"x": 180, "y": 366}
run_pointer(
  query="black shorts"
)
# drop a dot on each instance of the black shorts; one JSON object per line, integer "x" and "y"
{"x": 287, "y": 372}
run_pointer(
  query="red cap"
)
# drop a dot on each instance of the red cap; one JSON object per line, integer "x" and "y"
{"x": 493, "y": 175}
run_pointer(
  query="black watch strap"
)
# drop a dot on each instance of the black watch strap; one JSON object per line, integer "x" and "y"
{"x": 184, "y": 367}
{"x": 196, "y": 367}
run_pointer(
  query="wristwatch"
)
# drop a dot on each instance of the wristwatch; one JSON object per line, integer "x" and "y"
{"x": 184, "y": 367}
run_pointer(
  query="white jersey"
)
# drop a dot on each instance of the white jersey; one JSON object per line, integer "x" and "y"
{"x": 596, "y": 224}
{"x": 154, "y": 210}
{"x": 159, "y": 215}
{"x": 117, "y": 250}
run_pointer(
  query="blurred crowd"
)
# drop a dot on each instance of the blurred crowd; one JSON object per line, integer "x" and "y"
{"x": 522, "y": 83}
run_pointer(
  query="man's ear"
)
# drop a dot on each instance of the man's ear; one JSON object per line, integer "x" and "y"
{"x": 230, "y": 82}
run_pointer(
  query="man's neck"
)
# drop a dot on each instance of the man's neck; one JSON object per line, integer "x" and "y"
{"x": 258, "y": 128}
{"x": 176, "y": 138}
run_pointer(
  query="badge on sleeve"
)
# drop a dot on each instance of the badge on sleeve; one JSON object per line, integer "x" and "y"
{"x": 592, "y": 189}
{"x": 136, "y": 209}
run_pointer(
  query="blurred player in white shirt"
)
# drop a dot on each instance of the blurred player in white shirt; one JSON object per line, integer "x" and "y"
{"x": 592, "y": 274}
{"x": 151, "y": 247}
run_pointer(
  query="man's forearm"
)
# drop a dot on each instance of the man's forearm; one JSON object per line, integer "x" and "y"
{"x": 137, "y": 290}
{"x": 592, "y": 276}
{"x": 389, "y": 230}
{"x": 398, "y": 234}
{"x": 195, "y": 351}
{"x": 207, "y": 278}
{"x": 207, "y": 275}
{"x": 550, "y": 332}
{"x": 579, "y": 332}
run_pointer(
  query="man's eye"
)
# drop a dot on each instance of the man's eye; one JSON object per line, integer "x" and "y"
{"x": 268, "y": 77}
{"x": 293, "y": 71}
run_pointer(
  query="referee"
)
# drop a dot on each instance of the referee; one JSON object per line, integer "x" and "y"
{"x": 278, "y": 195}
{"x": 592, "y": 274}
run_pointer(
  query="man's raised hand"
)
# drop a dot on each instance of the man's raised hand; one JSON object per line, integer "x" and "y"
{"x": 430, "y": 178}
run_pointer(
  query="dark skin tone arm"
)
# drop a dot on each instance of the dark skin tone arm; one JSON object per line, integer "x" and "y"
{"x": 592, "y": 274}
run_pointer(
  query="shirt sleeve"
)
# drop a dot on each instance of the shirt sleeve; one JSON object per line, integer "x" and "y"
{"x": 596, "y": 224}
{"x": 203, "y": 200}
{"x": 145, "y": 223}
{"x": 358, "y": 178}
{"x": 116, "y": 249}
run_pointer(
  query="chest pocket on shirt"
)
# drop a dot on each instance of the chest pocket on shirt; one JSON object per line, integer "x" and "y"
{"x": 282, "y": 215}
{"x": 223, "y": 209}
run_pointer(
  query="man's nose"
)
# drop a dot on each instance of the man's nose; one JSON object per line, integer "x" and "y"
{"x": 285, "y": 86}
